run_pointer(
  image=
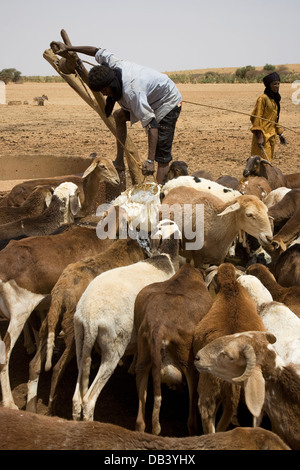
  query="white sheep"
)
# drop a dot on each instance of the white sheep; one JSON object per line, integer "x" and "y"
{"x": 105, "y": 316}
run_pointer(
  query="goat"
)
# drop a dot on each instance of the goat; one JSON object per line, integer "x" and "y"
{"x": 286, "y": 268}
{"x": 177, "y": 168}
{"x": 200, "y": 184}
{"x": 21, "y": 430}
{"x": 287, "y": 212}
{"x": 29, "y": 269}
{"x": 165, "y": 315}
{"x": 278, "y": 320}
{"x": 222, "y": 222}
{"x": 256, "y": 185}
{"x": 105, "y": 315}
{"x": 40, "y": 100}
{"x": 275, "y": 196}
{"x": 228, "y": 181}
{"x": 64, "y": 298}
{"x": 257, "y": 166}
{"x": 249, "y": 358}
{"x": 233, "y": 311}
{"x": 34, "y": 205}
{"x": 64, "y": 206}
{"x": 101, "y": 170}
{"x": 289, "y": 296}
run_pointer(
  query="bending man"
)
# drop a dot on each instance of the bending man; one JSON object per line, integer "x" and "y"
{"x": 144, "y": 95}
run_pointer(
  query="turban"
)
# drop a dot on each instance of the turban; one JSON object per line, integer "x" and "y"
{"x": 272, "y": 77}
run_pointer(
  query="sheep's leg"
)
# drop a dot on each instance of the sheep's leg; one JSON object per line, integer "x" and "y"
{"x": 21, "y": 303}
{"x": 142, "y": 376}
{"x": 156, "y": 371}
{"x": 229, "y": 404}
{"x": 208, "y": 391}
{"x": 111, "y": 354}
{"x": 191, "y": 379}
{"x": 35, "y": 369}
{"x": 58, "y": 371}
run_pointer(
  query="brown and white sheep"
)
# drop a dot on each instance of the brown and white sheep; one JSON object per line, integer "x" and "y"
{"x": 29, "y": 269}
{"x": 64, "y": 298}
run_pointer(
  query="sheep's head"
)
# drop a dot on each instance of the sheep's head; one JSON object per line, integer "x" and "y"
{"x": 104, "y": 170}
{"x": 68, "y": 193}
{"x": 253, "y": 165}
{"x": 252, "y": 217}
{"x": 237, "y": 359}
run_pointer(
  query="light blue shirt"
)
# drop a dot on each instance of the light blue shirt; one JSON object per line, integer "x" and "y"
{"x": 147, "y": 94}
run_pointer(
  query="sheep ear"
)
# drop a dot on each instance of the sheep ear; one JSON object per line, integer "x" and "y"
{"x": 75, "y": 204}
{"x": 255, "y": 392}
{"x": 90, "y": 169}
{"x": 232, "y": 208}
{"x": 2, "y": 352}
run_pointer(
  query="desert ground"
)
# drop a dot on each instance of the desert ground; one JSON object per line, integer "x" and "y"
{"x": 206, "y": 138}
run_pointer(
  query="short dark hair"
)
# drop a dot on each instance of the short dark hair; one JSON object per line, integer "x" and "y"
{"x": 100, "y": 76}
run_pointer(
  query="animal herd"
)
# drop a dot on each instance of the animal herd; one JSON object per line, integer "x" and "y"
{"x": 220, "y": 318}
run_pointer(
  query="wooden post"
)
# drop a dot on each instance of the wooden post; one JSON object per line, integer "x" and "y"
{"x": 79, "y": 82}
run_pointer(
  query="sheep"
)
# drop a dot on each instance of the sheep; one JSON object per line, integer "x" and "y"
{"x": 64, "y": 298}
{"x": 29, "y": 269}
{"x": 278, "y": 320}
{"x": 289, "y": 296}
{"x": 249, "y": 358}
{"x": 275, "y": 196}
{"x": 200, "y": 184}
{"x": 64, "y": 206}
{"x": 287, "y": 212}
{"x": 293, "y": 180}
{"x": 257, "y": 166}
{"x": 256, "y": 185}
{"x": 34, "y": 205}
{"x": 177, "y": 168}
{"x": 222, "y": 223}
{"x": 21, "y": 430}
{"x": 105, "y": 316}
{"x": 228, "y": 181}
{"x": 233, "y": 311}
{"x": 165, "y": 315}
{"x": 286, "y": 268}
{"x": 101, "y": 170}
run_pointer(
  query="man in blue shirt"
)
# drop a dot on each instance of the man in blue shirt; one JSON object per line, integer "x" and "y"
{"x": 144, "y": 95}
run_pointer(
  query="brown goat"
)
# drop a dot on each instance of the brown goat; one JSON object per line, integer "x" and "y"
{"x": 287, "y": 212}
{"x": 233, "y": 311}
{"x": 34, "y": 205}
{"x": 101, "y": 170}
{"x": 29, "y": 269}
{"x": 289, "y": 296}
{"x": 64, "y": 298}
{"x": 21, "y": 430}
{"x": 257, "y": 166}
{"x": 165, "y": 316}
{"x": 286, "y": 268}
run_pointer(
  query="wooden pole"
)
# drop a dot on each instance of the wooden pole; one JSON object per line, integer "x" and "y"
{"x": 79, "y": 82}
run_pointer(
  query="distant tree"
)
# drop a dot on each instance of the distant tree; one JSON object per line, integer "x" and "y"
{"x": 242, "y": 72}
{"x": 10, "y": 75}
{"x": 269, "y": 67}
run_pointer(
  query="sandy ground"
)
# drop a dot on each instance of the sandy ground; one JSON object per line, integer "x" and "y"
{"x": 206, "y": 138}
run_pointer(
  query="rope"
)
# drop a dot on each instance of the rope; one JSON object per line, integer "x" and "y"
{"x": 239, "y": 112}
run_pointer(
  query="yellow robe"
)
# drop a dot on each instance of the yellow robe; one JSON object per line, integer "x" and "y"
{"x": 267, "y": 108}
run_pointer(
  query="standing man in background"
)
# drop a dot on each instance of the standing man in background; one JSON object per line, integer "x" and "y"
{"x": 268, "y": 107}
{"x": 144, "y": 95}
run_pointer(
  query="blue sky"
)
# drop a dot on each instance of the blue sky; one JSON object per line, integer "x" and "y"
{"x": 167, "y": 35}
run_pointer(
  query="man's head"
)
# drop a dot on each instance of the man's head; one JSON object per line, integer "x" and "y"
{"x": 272, "y": 81}
{"x": 100, "y": 77}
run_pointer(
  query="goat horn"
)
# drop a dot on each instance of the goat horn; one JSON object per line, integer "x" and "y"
{"x": 250, "y": 357}
{"x": 266, "y": 162}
